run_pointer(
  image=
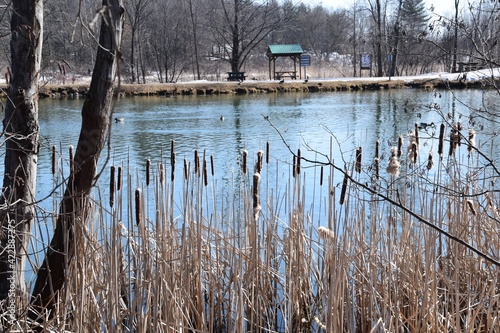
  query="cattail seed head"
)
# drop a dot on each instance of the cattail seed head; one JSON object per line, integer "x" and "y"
{"x": 256, "y": 195}
{"x": 441, "y": 141}
{"x": 326, "y": 234}
{"x": 112, "y": 187}
{"x": 71, "y": 163}
{"x": 205, "y": 172}
{"x": 172, "y": 171}
{"x": 393, "y": 166}
{"x": 357, "y": 167}
{"x": 162, "y": 173}
{"x": 470, "y": 205}
{"x": 430, "y": 161}
{"x": 377, "y": 149}
{"x": 148, "y": 169}
{"x": 400, "y": 147}
{"x": 416, "y": 134}
{"x": 196, "y": 163}
{"x": 212, "y": 165}
{"x": 321, "y": 176}
{"x": 260, "y": 162}
{"x": 267, "y": 152}
{"x": 138, "y": 206}
{"x": 376, "y": 163}
{"x": 54, "y": 151}
{"x": 186, "y": 170}
{"x": 472, "y": 140}
{"x": 344, "y": 188}
{"x": 119, "y": 180}
{"x": 298, "y": 161}
{"x": 245, "y": 155}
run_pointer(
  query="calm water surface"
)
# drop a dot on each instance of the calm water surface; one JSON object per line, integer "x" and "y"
{"x": 306, "y": 121}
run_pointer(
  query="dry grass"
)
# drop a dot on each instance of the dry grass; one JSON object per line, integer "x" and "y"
{"x": 174, "y": 256}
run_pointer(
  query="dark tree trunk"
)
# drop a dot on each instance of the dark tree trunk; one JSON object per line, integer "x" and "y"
{"x": 21, "y": 131}
{"x": 74, "y": 207}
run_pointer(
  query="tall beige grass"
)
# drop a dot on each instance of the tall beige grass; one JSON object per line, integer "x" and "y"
{"x": 171, "y": 254}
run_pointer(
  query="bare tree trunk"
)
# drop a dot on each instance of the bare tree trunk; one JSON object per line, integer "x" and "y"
{"x": 74, "y": 208}
{"x": 455, "y": 38}
{"x": 21, "y": 147}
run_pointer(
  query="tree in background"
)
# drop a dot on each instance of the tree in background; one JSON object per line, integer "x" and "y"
{"x": 21, "y": 135}
{"x": 239, "y": 26}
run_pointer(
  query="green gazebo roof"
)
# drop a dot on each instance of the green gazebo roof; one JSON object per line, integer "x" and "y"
{"x": 284, "y": 49}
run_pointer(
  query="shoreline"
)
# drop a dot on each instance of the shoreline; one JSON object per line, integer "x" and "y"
{"x": 204, "y": 88}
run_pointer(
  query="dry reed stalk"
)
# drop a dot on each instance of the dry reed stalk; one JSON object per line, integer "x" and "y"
{"x": 148, "y": 170}
{"x": 357, "y": 167}
{"x": 54, "y": 160}
{"x": 112, "y": 187}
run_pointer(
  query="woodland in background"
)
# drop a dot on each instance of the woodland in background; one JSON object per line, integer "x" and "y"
{"x": 200, "y": 39}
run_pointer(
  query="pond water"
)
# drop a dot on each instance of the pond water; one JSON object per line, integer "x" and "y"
{"x": 320, "y": 124}
{"x": 224, "y": 126}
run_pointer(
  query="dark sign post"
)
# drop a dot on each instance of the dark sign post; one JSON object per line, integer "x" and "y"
{"x": 305, "y": 60}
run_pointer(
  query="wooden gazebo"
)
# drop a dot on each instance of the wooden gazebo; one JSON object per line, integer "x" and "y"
{"x": 293, "y": 51}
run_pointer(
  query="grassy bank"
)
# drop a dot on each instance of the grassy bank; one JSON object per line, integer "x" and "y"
{"x": 254, "y": 87}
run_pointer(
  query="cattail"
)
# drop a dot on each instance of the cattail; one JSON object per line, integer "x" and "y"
{"x": 259, "y": 164}
{"x": 172, "y": 159}
{"x": 162, "y": 173}
{"x": 53, "y": 160}
{"x": 298, "y": 161}
{"x": 321, "y": 176}
{"x": 172, "y": 172}
{"x": 470, "y": 204}
{"x": 148, "y": 167}
{"x": 119, "y": 181}
{"x": 414, "y": 153}
{"x": 112, "y": 186}
{"x": 454, "y": 140}
{"x": 294, "y": 168}
{"x": 344, "y": 187}
{"x": 416, "y": 134}
{"x": 394, "y": 152}
{"x": 430, "y": 161}
{"x": 71, "y": 162}
{"x": 377, "y": 149}
{"x": 472, "y": 140}
{"x": 138, "y": 206}
{"x": 212, "y": 165}
{"x": 377, "y": 167}
{"x": 267, "y": 152}
{"x": 357, "y": 167}
{"x": 326, "y": 234}
{"x": 441, "y": 141}
{"x": 400, "y": 146}
{"x": 186, "y": 170}
{"x": 256, "y": 195}
{"x": 245, "y": 153}
{"x": 393, "y": 166}
{"x": 196, "y": 163}
{"x": 205, "y": 172}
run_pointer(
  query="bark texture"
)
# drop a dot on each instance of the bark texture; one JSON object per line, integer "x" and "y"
{"x": 74, "y": 208}
{"x": 21, "y": 131}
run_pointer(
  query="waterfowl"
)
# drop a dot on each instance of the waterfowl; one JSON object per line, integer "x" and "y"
{"x": 119, "y": 120}
{"x": 425, "y": 125}
{"x": 221, "y": 118}
{"x": 282, "y": 80}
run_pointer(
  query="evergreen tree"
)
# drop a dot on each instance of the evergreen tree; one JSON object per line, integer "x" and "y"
{"x": 414, "y": 17}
